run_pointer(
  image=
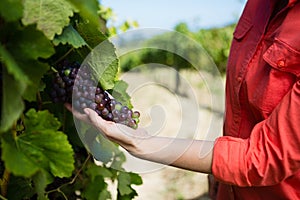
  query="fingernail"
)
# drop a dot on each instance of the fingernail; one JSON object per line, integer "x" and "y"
{"x": 86, "y": 111}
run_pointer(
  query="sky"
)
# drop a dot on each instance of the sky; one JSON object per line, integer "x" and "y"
{"x": 166, "y": 14}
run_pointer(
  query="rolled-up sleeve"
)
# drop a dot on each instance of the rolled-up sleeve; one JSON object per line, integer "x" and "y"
{"x": 271, "y": 153}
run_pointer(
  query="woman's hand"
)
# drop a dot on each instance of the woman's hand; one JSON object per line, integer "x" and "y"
{"x": 125, "y": 136}
{"x": 189, "y": 154}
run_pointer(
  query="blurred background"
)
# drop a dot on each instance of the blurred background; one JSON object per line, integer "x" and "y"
{"x": 211, "y": 23}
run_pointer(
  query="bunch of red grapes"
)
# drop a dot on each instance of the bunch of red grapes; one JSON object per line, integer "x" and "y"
{"x": 74, "y": 84}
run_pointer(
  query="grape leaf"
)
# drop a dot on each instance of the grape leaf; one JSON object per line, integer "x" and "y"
{"x": 95, "y": 170}
{"x": 12, "y": 66}
{"x": 51, "y": 16}
{"x": 41, "y": 181}
{"x": 104, "y": 194}
{"x": 26, "y": 46}
{"x": 118, "y": 160}
{"x": 19, "y": 188}
{"x": 135, "y": 179}
{"x": 96, "y": 189}
{"x": 11, "y": 10}
{"x": 12, "y": 103}
{"x": 11, "y": 155}
{"x": 70, "y": 36}
{"x": 101, "y": 148}
{"x": 34, "y": 150}
{"x": 119, "y": 93}
{"x": 89, "y": 11}
{"x": 90, "y": 33}
{"x": 42, "y": 120}
{"x": 104, "y": 62}
{"x": 124, "y": 182}
{"x": 29, "y": 43}
{"x": 35, "y": 70}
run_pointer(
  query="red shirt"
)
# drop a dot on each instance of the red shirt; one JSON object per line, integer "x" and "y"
{"x": 259, "y": 156}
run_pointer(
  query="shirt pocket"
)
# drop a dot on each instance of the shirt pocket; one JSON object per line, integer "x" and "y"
{"x": 243, "y": 27}
{"x": 283, "y": 57}
{"x": 276, "y": 78}
{"x": 240, "y": 34}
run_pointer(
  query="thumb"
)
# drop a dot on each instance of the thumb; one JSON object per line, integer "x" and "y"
{"x": 94, "y": 118}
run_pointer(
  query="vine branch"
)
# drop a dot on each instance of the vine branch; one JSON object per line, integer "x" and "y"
{"x": 72, "y": 181}
{"x": 65, "y": 55}
{"x": 4, "y": 183}
{"x": 3, "y": 198}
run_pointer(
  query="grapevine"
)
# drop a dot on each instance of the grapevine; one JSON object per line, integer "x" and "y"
{"x": 40, "y": 156}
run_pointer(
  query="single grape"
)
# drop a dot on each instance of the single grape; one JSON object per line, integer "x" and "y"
{"x": 81, "y": 99}
{"x": 124, "y": 109}
{"x": 85, "y": 94}
{"x": 137, "y": 120}
{"x": 111, "y": 105}
{"x": 93, "y": 105}
{"x": 100, "y": 106}
{"x": 116, "y": 113}
{"x": 135, "y": 114}
{"x": 104, "y": 112}
{"x": 122, "y": 116}
{"x": 53, "y": 94}
{"x": 77, "y": 104}
{"x": 110, "y": 117}
{"x": 118, "y": 106}
{"x": 65, "y": 79}
{"x": 67, "y": 72}
{"x": 129, "y": 114}
{"x": 83, "y": 106}
{"x": 61, "y": 92}
{"x": 98, "y": 90}
{"x": 98, "y": 98}
{"x": 132, "y": 124}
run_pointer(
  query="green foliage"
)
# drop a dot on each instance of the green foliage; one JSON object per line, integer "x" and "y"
{"x": 105, "y": 64}
{"x": 12, "y": 104}
{"x": 42, "y": 156}
{"x": 109, "y": 16}
{"x": 14, "y": 13}
{"x": 216, "y": 42}
{"x": 124, "y": 184}
{"x": 33, "y": 151}
{"x": 50, "y": 16}
{"x": 70, "y": 36}
{"x": 119, "y": 92}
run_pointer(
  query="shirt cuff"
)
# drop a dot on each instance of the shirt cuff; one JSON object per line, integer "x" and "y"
{"x": 228, "y": 163}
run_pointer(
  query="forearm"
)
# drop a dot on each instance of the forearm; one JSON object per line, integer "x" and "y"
{"x": 195, "y": 155}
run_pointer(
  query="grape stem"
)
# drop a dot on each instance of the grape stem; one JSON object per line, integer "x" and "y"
{"x": 3, "y": 198}
{"x": 4, "y": 182}
{"x": 39, "y": 100}
{"x": 54, "y": 70}
{"x": 6, "y": 173}
{"x": 64, "y": 56}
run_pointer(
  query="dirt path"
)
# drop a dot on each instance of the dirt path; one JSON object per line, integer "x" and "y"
{"x": 188, "y": 115}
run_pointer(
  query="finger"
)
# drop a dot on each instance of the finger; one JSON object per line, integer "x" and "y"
{"x": 68, "y": 107}
{"x": 77, "y": 114}
{"x": 96, "y": 119}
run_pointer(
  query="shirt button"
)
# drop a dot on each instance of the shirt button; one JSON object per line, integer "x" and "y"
{"x": 281, "y": 63}
{"x": 235, "y": 121}
{"x": 239, "y": 79}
